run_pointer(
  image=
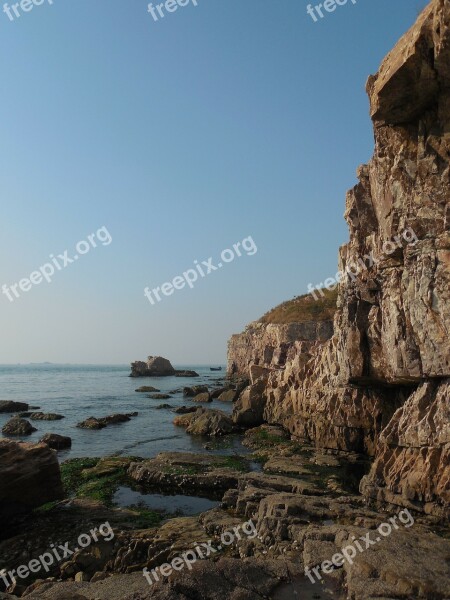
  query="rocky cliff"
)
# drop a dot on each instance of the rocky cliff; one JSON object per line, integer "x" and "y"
{"x": 381, "y": 384}
{"x": 271, "y": 345}
{"x": 292, "y": 327}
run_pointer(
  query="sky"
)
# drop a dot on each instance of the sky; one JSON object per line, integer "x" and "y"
{"x": 174, "y": 140}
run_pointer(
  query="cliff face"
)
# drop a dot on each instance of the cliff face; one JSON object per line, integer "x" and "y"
{"x": 271, "y": 345}
{"x": 381, "y": 384}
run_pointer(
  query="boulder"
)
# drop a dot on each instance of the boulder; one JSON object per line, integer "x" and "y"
{"x": 18, "y": 426}
{"x": 29, "y": 477}
{"x": 147, "y": 388}
{"x": 159, "y": 396}
{"x": 249, "y": 408}
{"x": 203, "y": 397}
{"x": 8, "y": 406}
{"x": 156, "y": 366}
{"x": 206, "y": 422}
{"x": 55, "y": 441}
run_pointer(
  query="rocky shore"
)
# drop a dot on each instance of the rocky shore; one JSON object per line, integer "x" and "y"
{"x": 343, "y": 415}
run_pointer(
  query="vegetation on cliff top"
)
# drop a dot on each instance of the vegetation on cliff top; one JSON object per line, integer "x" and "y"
{"x": 304, "y": 308}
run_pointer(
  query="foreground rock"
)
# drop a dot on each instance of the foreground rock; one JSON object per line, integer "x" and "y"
{"x": 206, "y": 422}
{"x": 8, "y": 406}
{"x": 18, "y": 426}
{"x": 55, "y": 441}
{"x": 94, "y": 423}
{"x": 29, "y": 477}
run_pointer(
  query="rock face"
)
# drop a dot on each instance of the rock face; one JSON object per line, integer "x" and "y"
{"x": 271, "y": 345}
{"x": 29, "y": 477}
{"x": 381, "y": 384}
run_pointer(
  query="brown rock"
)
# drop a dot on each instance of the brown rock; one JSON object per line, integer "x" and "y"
{"x": 29, "y": 477}
{"x": 55, "y": 441}
{"x": 18, "y": 426}
{"x": 203, "y": 397}
{"x": 156, "y": 366}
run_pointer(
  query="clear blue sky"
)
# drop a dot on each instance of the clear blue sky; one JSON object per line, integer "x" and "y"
{"x": 182, "y": 137}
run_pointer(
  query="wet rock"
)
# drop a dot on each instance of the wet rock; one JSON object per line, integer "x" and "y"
{"x": 55, "y": 441}
{"x": 159, "y": 396}
{"x": 101, "y": 423}
{"x": 163, "y": 406}
{"x": 147, "y": 388}
{"x": 40, "y": 416}
{"x": 18, "y": 426}
{"x": 8, "y": 406}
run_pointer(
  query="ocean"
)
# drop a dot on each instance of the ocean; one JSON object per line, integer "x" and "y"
{"x": 82, "y": 391}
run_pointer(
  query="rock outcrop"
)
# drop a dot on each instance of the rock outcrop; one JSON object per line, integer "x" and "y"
{"x": 29, "y": 477}
{"x": 157, "y": 366}
{"x": 271, "y": 345}
{"x": 380, "y": 385}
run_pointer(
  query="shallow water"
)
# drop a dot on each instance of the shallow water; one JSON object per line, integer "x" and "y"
{"x": 79, "y": 392}
{"x": 177, "y": 503}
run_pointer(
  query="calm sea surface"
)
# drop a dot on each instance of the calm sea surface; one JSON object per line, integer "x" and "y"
{"x": 79, "y": 392}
